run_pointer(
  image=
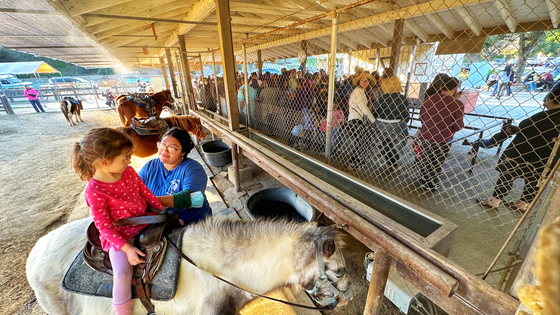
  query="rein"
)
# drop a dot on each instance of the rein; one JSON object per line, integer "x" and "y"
{"x": 322, "y": 277}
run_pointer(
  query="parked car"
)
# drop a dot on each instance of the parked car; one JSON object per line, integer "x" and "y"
{"x": 10, "y": 81}
{"x": 272, "y": 71}
{"x": 512, "y": 62}
{"x": 498, "y": 62}
{"x": 70, "y": 82}
{"x": 533, "y": 62}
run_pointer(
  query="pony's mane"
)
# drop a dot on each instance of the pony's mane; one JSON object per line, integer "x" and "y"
{"x": 247, "y": 231}
{"x": 188, "y": 123}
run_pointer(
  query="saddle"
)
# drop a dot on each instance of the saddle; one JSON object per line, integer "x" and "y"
{"x": 143, "y": 100}
{"x": 71, "y": 99}
{"x": 151, "y": 240}
{"x": 149, "y": 126}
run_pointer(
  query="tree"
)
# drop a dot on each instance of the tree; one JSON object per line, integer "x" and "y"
{"x": 527, "y": 42}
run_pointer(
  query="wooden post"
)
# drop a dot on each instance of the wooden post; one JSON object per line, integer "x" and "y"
{"x": 396, "y": 45}
{"x": 164, "y": 72}
{"x": 171, "y": 71}
{"x": 235, "y": 164}
{"x": 379, "y": 275}
{"x": 303, "y": 65}
{"x": 228, "y": 61}
{"x": 181, "y": 75}
{"x": 332, "y": 74}
{"x": 202, "y": 88}
{"x": 259, "y": 63}
{"x": 216, "y": 83}
{"x": 186, "y": 71}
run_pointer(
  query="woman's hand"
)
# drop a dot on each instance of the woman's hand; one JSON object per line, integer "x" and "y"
{"x": 132, "y": 254}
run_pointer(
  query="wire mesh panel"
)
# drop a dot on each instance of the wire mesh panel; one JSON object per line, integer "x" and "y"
{"x": 440, "y": 105}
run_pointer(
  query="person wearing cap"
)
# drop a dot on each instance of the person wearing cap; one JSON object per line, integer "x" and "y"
{"x": 391, "y": 111}
{"x": 359, "y": 116}
{"x": 441, "y": 115}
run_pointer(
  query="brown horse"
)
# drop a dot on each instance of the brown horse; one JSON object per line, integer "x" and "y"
{"x": 147, "y": 145}
{"x": 129, "y": 109}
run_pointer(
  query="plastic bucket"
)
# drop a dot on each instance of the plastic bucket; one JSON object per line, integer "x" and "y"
{"x": 279, "y": 202}
{"x": 217, "y": 153}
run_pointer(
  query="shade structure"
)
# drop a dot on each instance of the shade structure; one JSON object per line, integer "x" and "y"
{"x": 26, "y": 67}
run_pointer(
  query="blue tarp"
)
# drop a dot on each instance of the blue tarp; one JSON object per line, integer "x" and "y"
{"x": 476, "y": 77}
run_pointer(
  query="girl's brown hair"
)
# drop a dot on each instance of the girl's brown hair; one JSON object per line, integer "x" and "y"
{"x": 98, "y": 144}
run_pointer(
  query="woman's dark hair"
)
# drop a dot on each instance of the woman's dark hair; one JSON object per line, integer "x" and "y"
{"x": 184, "y": 139}
{"x": 450, "y": 84}
{"x": 254, "y": 84}
{"x": 436, "y": 85}
{"x": 554, "y": 96}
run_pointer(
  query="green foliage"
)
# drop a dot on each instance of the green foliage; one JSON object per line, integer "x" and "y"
{"x": 66, "y": 69}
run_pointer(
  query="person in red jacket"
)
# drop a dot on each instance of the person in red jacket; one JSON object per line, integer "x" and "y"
{"x": 441, "y": 115}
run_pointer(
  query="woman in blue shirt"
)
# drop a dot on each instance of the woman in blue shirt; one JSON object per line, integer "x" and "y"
{"x": 177, "y": 180}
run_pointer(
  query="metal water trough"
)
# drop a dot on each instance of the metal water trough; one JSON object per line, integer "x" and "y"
{"x": 279, "y": 202}
{"x": 217, "y": 153}
{"x": 428, "y": 228}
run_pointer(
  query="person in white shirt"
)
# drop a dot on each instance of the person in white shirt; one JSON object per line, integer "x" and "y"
{"x": 503, "y": 81}
{"x": 359, "y": 117}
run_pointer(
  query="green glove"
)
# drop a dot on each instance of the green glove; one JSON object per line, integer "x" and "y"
{"x": 187, "y": 199}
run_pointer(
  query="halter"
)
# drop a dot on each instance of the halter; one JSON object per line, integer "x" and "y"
{"x": 323, "y": 281}
{"x": 326, "y": 304}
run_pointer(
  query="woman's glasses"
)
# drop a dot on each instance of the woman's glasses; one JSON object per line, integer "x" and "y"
{"x": 162, "y": 146}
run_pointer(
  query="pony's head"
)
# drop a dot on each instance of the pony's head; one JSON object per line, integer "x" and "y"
{"x": 330, "y": 285}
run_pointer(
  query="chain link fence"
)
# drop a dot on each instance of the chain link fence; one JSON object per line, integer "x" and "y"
{"x": 433, "y": 104}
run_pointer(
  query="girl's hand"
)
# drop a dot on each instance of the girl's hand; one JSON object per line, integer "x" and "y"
{"x": 132, "y": 254}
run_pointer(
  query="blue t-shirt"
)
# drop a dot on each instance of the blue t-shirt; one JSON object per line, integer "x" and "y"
{"x": 188, "y": 175}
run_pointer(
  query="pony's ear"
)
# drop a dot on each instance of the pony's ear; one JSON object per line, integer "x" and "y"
{"x": 327, "y": 248}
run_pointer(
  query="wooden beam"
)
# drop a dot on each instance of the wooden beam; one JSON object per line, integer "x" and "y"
{"x": 122, "y": 24}
{"x": 414, "y": 28}
{"x": 403, "y": 13}
{"x": 554, "y": 11}
{"x": 186, "y": 71}
{"x": 150, "y": 19}
{"x": 471, "y": 21}
{"x": 199, "y": 12}
{"x": 148, "y": 8}
{"x": 171, "y": 71}
{"x": 378, "y": 280}
{"x": 20, "y": 11}
{"x": 438, "y": 22}
{"x": 266, "y": 9}
{"x": 164, "y": 72}
{"x": 228, "y": 62}
{"x": 506, "y": 12}
{"x": 396, "y": 45}
{"x": 80, "y": 7}
{"x": 128, "y": 27}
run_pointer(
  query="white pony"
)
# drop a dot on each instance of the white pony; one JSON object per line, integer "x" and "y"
{"x": 259, "y": 256}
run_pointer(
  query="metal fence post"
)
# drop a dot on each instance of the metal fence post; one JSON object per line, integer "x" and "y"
{"x": 332, "y": 74}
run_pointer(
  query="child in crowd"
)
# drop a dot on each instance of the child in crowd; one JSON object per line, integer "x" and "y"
{"x": 506, "y": 132}
{"x": 114, "y": 191}
{"x": 337, "y": 119}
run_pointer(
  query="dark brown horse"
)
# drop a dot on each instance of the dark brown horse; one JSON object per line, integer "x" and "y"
{"x": 147, "y": 145}
{"x": 129, "y": 109}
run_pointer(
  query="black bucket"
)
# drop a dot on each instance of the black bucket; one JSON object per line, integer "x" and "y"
{"x": 217, "y": 153}
{"x": 279, "y": 202}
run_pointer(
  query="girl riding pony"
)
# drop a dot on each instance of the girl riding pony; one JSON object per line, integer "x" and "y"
{"x": 114, "y": 192}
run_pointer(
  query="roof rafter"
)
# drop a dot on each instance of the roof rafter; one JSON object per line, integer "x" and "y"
{"x": 471, "y": 21}
{"x": 506, "y": 12}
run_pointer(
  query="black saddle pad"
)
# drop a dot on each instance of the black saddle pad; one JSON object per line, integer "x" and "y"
{"x": 82, "y": 279}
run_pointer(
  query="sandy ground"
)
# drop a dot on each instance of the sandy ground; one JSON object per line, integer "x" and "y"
{"x": 39, "y": 192}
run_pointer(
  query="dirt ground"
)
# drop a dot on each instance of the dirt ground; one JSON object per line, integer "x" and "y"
{"x": 39, "y": 192}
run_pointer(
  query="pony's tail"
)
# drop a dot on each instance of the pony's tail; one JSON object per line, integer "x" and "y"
{"x": 84, "y": 170}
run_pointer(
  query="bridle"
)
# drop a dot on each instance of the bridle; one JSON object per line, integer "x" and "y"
{"x": 327, "y": 304}
{"x": 323, "y": 281}
{"x": 169, "y": 100}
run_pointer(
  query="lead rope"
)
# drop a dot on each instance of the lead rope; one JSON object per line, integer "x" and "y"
{"x": 325, "y": 308}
